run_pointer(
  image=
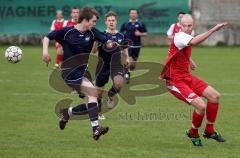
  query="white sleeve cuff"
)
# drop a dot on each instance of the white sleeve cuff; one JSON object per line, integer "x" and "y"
{"x": 182, "y": 40}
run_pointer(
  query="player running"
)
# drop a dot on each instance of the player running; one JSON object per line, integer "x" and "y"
{"x": 133, "y": 29}
{"x": 57, "y": 24}
{"x": 110, "y": 62}
{"x": 189, "y": 88}
{"x": 78, "y": 40}
{"x": 74, "y": 20}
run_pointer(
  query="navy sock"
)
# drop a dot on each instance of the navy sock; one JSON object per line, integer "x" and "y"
{"x": 93, "y": 115}
{"x": 79, "y": 109}
{"x": 112, "y": 91}
{"x": 99, "y": 104}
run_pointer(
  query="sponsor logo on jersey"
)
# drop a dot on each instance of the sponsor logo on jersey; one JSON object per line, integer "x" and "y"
{"x": 87, "y": 38}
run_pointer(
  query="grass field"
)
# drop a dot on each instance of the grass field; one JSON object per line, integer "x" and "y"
{"x": 28, "y": 124}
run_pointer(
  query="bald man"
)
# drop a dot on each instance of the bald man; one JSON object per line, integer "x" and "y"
{"x": 189, "y": 88}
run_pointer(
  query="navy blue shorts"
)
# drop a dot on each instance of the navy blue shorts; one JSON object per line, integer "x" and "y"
{"x": 102, "y": 76}
{"x": 74, "y": 76}
{"x": 134, "y": 53}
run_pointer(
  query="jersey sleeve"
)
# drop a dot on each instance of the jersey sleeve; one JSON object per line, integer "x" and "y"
{"x": 143, "y": 28}
{"x": 170, "y": 30}
{"x": 57, "y": 34}
{"x": 52, "y": 26}
{"x": 99, "y": 36}
{"x": 182, "y": 40}
{"x": 65, "y": 23}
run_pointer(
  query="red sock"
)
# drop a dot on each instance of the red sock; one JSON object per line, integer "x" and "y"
{"x": 58, "y": 58}
{"x": 196, "y": 123}
{"x": 211, "y": 112}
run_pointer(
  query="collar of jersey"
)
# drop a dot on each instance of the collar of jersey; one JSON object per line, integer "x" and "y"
{"x": 116, "y": 31}
{"x": 60, "y": 20}
{"x": 130, "y": 20}
{"x": 75, "y": 26}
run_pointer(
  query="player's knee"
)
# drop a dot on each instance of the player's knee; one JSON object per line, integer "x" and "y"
{"x": 118, "y": 85}
{"x": 92, "y": 99}
{"x": 214, "y": 97}
{"x": 60, "y": 51}
{"x": 200, "y": 106}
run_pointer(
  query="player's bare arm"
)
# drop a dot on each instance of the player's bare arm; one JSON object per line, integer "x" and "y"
{"x": 110, "y": 44}
{"x": 193, "y": 65}
{"x": 45, "y": 56}
{"x": 138, "y": 33}
{"x": 200, "y": 38}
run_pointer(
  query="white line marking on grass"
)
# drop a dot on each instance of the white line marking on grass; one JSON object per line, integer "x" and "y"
{"x": 230, "y": 94}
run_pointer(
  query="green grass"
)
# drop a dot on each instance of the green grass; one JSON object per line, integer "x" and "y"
{"x": 28, "y": 124}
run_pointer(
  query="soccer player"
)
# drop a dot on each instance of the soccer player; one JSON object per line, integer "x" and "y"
{"x": 133, "y": 29}
{"x": 175, "y": 28}
{"x": 74, "y": 20}
{"x": 110, "y": 62}
{"x": 189, "y": 88}
{"x": 57, "y": 24}
{"x": 78, "y": 40}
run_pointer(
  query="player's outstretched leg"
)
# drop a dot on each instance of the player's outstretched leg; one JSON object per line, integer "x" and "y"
{"x": 92, "y": 107}
{"x": 197, "y": 118}
{"x": 212, "y": 97}
{"x": 93, "y": 115}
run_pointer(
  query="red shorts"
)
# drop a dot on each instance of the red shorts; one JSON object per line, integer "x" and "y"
{"x": 188, "y": 88}
{"x": 57, "y": 45}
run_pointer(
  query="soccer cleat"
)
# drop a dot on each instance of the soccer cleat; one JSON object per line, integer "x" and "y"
{"x": 100, "y": 131}
{"x": 64, "y": 117}
{"x": 215, "y": 135}
{"x": 127, "y": 77}
{"x": 195, "y": 140}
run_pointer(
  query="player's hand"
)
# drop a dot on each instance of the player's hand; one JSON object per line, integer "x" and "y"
{"x": 46, "y": 58}
{"x": 111, "y": 44}
{"x": 219, "y": 26}
{"x": 193, "y": 66}
{"x": 137, "y": 33}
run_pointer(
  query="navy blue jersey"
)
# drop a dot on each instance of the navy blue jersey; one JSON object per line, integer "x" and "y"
{"x": 106, "y": 56}
{"x": 76, "y": 42}
{"x": 129, "y": 28}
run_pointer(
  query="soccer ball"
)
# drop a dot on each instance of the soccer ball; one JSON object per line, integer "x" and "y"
{"x": 13, "y": 54}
